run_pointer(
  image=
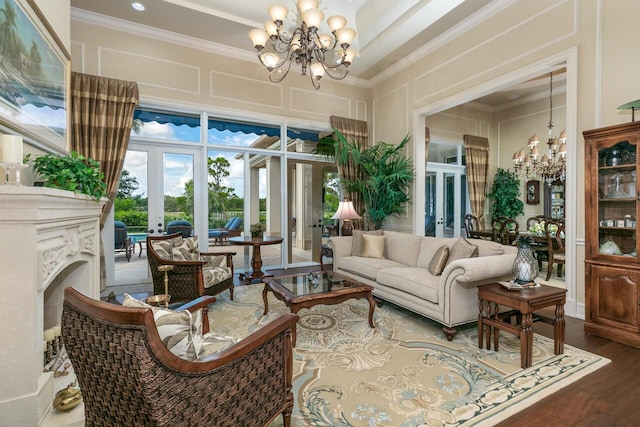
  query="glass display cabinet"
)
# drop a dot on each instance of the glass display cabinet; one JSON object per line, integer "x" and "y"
{"x": 554, "y": 200}
{"x": 612, "y": 270}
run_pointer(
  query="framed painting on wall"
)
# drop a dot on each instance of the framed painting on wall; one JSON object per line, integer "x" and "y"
{"x": 34, "y": 76}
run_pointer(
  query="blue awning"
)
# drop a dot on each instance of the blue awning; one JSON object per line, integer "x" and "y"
{"x": 219, "y": 124}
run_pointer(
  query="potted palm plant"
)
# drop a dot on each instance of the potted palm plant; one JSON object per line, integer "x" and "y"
{"x": 385, "y": 175}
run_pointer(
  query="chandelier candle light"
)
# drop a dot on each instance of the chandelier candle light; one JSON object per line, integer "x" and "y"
{"x": 551, "y": 167}
{"x": 320, "y": 53}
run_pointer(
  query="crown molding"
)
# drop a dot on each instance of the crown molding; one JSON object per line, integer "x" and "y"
{"x": 446, "y": 37}
{"x": 122, "y": 25}
{"x": 97, "y": 19}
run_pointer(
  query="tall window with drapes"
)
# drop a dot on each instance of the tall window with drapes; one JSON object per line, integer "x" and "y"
{"x": 101, "y": 119}
{"x": 355, "y": 131}
{"x": 477, "y": 162}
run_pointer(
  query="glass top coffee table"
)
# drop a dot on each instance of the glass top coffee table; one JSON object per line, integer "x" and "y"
{"x": 300, "y": 291}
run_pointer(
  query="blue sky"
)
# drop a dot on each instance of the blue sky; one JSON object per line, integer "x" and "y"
{"x": 179, "y": 167}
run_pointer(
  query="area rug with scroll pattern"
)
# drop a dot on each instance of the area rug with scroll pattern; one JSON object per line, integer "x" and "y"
{"x": 403, "y": 372}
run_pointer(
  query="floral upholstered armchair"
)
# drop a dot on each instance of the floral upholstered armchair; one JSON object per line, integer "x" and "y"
{"x": 193, "y": 273}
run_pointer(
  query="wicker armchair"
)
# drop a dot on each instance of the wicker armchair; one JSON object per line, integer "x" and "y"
{"x": 186, "y": 279}
{"x": 129, "y": 378}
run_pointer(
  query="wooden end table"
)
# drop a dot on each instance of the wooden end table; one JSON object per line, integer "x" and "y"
{"x": 256, "y": 258}
{"x": 524, "y": 302}
{"x": 297, "y": 293}
{"x": 325, "y": 251}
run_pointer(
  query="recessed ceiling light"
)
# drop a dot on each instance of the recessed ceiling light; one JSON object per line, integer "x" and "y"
{"x": 137, "y": 6}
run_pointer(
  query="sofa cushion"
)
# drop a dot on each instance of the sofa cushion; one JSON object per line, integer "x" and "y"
{"x": 365, "y": 267}
{"x": 372, "y": 246}
{"x": 429, "y": 246}
{"x": 416, "y": 281}
{"x": 462, "y": 249}
{"x": 489, "y": 248}
{"x": 439, "y": 260}
{"x": 402, "y": 247}
{"x": 356, "y": 245}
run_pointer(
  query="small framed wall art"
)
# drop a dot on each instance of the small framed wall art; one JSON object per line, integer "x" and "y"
{"x": 533, "y": 192}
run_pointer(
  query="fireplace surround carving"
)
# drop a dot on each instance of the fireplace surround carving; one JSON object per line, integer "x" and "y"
{"x": 49, "y": 239}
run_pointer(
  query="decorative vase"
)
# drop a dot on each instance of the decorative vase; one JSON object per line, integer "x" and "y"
{"x": 525, "y": 266}
{"x": 257, "y": 234}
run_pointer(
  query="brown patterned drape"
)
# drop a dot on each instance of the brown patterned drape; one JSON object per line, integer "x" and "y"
{"x": 477, "y": 161}
{"x": 101, "y": 118}
{"x": 102, "y": 114}
{"x": 355, "y": 131}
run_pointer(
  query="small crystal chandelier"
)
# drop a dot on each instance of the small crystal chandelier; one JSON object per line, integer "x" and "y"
{"x": 552, "y": 166}
{"x": 320, "y": 53}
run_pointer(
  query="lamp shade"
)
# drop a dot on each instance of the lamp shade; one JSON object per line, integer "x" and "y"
{"x": 346, "y": 211}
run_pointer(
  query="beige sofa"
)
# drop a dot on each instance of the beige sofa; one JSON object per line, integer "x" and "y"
{"x": 403, "y": 276}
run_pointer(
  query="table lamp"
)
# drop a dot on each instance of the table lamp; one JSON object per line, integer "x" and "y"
{"x": 346, "y": 212}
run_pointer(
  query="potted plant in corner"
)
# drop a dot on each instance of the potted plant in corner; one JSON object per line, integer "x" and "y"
{"x": 385, "y": 175}
{"x": 74, "y": 172}
{"x": 505, "y": 193}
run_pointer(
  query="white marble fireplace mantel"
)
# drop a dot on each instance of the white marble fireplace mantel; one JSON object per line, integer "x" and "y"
{"x": 49, "y": 239}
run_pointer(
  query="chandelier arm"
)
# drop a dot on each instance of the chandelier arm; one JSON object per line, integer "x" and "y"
{"x": 342, "y": 75}
{"x": 278, "y": 64}
{"x": 315, "y": 81}
{"x": 279, "y": 69}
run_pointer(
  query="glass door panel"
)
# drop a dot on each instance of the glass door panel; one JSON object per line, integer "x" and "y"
{"x": 312, "y": 200}
{"x": 178, "y": 198}
{"x": 445, "y": 200}
{"x": 263, "y": 204}
{"x": 131, "y": 207}
{"x": 158, "y": 186}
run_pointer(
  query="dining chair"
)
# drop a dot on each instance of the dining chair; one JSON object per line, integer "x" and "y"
{"x": 471, "y": 226}
{"x": 554, "y": 230}
{"x": 540, "y": 250}
{"x": 496, "y": 226}
{"x": 510, "y": 231}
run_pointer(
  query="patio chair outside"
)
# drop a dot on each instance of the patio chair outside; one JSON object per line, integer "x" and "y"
{"x": 230, "y": 229}
{"x": 122, "y": 242}
{"x": 180, "y": 226}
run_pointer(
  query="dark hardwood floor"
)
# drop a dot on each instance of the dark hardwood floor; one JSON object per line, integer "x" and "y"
{"x": 606, "y": 397}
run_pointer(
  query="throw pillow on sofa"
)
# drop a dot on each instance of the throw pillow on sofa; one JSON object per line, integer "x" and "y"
{"x": 356, "y": 244}
{"x": 462, "y": 249}
{"x": 439, "y": 260}
{"x": 180, "y": 331}
{"x": 372, "y": 246}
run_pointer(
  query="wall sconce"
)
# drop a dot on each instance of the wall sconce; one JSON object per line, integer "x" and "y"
{"x": 346, "y": 212}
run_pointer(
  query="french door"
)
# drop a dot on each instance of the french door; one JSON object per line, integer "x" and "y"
{"x": 162, "y": 181}
{"x": 445, "y": 199}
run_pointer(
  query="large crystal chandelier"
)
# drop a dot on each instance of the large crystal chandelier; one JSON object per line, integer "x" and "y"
{"x": 320, "y": 53}
{"x": 551, "y": 166}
